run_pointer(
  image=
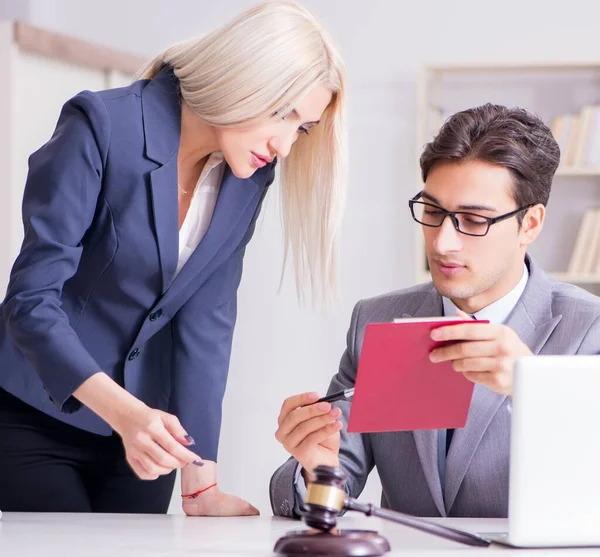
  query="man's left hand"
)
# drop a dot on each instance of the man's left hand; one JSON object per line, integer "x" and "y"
{"x": 483, "y": 353}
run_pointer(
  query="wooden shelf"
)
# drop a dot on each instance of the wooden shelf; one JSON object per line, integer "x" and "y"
{"x": 578, "y": 171}
{"x": 576, "y": 279}
{"x": 571, "y": 278}
{"x": 75, "y": 51}
{"x": 516, "y": 66}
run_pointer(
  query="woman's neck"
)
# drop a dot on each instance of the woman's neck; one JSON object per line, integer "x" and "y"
{"x": 198, "y": 139}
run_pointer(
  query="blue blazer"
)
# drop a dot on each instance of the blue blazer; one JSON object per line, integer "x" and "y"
{"x": 92, "y": 288}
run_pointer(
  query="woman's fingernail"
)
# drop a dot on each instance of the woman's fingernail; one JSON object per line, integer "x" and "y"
{"x": 198, "y": 462}
{"x": 189, "y": 439}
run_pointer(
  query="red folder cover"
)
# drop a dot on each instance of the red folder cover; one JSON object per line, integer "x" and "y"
{"x": 399, "y": 389}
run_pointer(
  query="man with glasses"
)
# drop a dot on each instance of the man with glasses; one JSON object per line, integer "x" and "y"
{"x": 487, "y": 177}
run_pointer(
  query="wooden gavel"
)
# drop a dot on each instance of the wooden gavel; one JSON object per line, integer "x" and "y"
{"x": 326, "y": 499}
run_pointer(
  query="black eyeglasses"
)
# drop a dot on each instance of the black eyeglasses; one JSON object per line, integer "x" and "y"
{"x": 470, "y": 224}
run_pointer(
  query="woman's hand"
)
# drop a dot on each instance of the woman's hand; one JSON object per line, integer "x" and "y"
{"x": 216, "y": 503}
{"x": 155, "y": 442}
{"x": 212, "y": 502}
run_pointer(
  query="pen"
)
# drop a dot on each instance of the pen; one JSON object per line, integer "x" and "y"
{"x": 340, "y": 395}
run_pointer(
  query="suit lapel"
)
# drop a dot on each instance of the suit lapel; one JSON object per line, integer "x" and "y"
{"x": 532, "y": 320}
{"x": 426, "y": 440}
{"x": 484, "y": 405}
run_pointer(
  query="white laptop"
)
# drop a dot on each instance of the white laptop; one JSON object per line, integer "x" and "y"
{"x": 554, "y": 492}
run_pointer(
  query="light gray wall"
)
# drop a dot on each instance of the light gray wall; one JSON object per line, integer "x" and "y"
{"x": 279, "y": 348}
{"x": 12, "y": 10}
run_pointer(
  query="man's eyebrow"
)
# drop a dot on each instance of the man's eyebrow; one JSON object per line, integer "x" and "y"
{"x": 461, "y": 207}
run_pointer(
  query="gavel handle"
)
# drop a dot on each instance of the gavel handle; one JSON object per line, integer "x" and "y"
{"x": 413, "y": 522}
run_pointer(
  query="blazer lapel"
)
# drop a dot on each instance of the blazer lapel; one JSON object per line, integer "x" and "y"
{"x": 426, "y": 440}
{"x": 161, "y": 113}
{"x": 163, "y": 187}
{"x": 237, "y": 205}
{"x": 238, "y": 200}
{"x": 533, "y": 322}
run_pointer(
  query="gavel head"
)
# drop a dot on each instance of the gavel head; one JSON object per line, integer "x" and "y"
{"x": 325, "y": 498}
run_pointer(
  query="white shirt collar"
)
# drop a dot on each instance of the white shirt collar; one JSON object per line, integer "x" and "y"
{"x": 498, "y": 311}
{"x": 214, "y": 160}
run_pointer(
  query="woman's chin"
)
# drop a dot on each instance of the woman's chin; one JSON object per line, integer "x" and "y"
{"x": 242, "y": 171}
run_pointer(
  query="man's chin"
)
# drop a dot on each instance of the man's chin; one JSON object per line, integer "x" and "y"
{"x": 452, "y": 288}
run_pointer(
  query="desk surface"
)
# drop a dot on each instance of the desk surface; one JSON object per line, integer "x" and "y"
{"x": 98, "y": 535}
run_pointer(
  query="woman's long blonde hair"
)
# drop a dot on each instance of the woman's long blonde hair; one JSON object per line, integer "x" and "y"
{"x": 260, "y": 64}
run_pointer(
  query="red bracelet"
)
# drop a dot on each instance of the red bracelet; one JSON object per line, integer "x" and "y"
{"x": 196, "y": 493}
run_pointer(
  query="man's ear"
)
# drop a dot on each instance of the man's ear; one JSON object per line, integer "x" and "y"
{"x": 533, "y": 222}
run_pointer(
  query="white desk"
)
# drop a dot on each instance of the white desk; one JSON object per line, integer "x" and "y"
{"x": 97, "y": 535}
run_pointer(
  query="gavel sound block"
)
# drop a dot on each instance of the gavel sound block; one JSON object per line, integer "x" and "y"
{"x": 326, "y": 499}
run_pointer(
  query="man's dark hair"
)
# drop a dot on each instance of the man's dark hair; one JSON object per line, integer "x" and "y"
{"x": 508, "y": 137}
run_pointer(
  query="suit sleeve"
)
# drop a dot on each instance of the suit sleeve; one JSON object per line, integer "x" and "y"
{"x": 61, "y": 193}
{"x": 590, "y": 344}
{"x": 356, "y": 457}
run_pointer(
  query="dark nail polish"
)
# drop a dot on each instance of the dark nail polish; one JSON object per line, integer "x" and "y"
{"x": 189, "y": 439}
{"x": 198, "y": 463}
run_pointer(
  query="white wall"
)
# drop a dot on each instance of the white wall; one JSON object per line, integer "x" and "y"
{"x": 279, "y": 348}
{"x": 11, "y": 10}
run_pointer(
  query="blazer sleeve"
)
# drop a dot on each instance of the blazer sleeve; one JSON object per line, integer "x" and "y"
{"x": 202, "y": 338}
{"x": 356, "y": 457}
{"x": 61, "y": 192}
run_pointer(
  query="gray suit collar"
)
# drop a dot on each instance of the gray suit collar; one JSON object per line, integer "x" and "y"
{"x": 533, "y": 321}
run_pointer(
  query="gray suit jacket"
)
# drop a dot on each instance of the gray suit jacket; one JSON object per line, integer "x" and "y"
{"x": 550, "y": 317}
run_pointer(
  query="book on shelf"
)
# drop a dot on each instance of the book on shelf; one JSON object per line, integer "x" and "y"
{"x": 585, "y": 258}
{"x": 578, "y": 136}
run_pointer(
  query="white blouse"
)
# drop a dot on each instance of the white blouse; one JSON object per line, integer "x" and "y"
{"x": 202, "y": 207}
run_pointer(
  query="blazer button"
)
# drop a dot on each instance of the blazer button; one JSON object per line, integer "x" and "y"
{"x": 154, "y": 316}
{"x": 134, "y": 354}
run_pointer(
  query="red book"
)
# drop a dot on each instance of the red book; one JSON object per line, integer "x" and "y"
{"x": 399, "y": 389}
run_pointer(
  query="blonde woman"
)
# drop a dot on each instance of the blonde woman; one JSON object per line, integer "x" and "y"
{"x": 118, "y": 320}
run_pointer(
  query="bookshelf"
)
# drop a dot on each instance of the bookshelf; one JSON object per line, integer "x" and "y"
{"x": 551, "y": 90}
{"x": 578, "y": 171}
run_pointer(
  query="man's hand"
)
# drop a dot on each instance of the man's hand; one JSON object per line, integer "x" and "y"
{"x": 483, "y": 353}
{"x": 310, "y": 432}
